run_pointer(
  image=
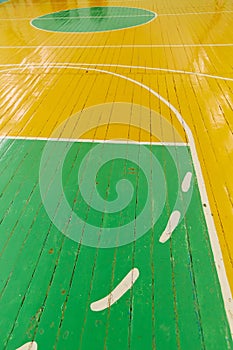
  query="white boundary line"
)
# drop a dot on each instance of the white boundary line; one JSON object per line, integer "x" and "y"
{"x": 88, "y": 65}
{"x": 196, "y": 13}
{"x": 154, "y": 69}
{"x": 80, "y": 1}
{"x": 74, "y": 17}
{"x": 159, "y": 14}
{"x": 214, "y": 241}
{"x": 112, "y": 46}
{"x": 93, "y": 141}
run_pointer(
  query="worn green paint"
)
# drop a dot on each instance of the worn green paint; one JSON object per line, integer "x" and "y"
{"x": 48, "y": 281}
{"x": 93, "y": 19}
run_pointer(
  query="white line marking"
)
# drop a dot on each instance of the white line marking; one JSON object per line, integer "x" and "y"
{"x": 158, "y": 14}
{"x": 171, "y": 226}
{"x": 196, "y": 13}
{"x": 79, "y": 1}
{"x": 185, "y": 186}
{"x": 155, "y": 69}
{"x": 72, "y": 17}
{"x": 143, "y": 46}
{"x": 117, "y": 293}
{"x": 178, "y": 144}
{"x": 214, "y": 241}
{"x": 88, "y": 65}
{"x": 28, "y": 346}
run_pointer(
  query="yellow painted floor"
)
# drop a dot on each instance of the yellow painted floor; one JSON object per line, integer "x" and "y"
{"x": 183, "y": 57}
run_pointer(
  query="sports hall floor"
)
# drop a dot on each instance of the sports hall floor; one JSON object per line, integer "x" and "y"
{"x": 116, "y": 174}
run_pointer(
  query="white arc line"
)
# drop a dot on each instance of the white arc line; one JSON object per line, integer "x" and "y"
{"x": 28, "y": 346}
{"x": 185, "y": 186}
{"x": 118, "y": 292}
{"x": 73, "y": 17}
{"x": 171, "y": 225}
{"x": 16, "y": 66}
{"x": 214, "y": 240}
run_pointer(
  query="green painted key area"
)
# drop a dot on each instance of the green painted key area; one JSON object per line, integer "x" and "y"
{"x": 48, "y": 280}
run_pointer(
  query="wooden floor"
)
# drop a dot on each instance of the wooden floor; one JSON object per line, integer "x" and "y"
{"x": 116, "y": 143}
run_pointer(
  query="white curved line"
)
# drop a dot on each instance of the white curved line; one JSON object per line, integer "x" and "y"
{"x": 87, "y": 65}
{"x": 117, "y": 292}
{"x": 74, "y": 17}
{"x": 185, "y": 186}
{"x": 157, "y": 69}
{"x": 171, "y": 226}
{"x": 214, "y": 241}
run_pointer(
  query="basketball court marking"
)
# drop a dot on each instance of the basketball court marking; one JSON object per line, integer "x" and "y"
{"x": 185, "y": 184}
{"x": 91, "y": 140}
{"x": 114, "y": 46}
{"x": 71, "y": 65}
{"x": 219, "y": 264}
{"x": 157, "y": 14}
{"x": 53, "y": 22}
{"x": 196, "y": 13}
{"x": 119, "y": 304}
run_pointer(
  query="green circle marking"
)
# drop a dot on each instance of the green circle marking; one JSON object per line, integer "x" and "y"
{"x": 93, "y": 19}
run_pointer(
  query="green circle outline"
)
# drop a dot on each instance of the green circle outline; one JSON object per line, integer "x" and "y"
{"x": 44, "y": 17}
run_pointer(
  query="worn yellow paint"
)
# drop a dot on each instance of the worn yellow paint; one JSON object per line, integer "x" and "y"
{"x": 36, "y": 100}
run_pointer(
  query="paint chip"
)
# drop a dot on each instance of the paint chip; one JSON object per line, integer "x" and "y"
{"x": 28, "y": 346}
{"x": 117, "y": 293}
{"x": 186, "y": 182}
{"x": 171, "y": 226}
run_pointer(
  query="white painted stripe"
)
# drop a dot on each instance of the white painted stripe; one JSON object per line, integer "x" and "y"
{"x": 28, "y": 346}
{"x": 178, "y": 144}
{"x": 88, "y": 65}
{"x": 196, "y": 13}
{"x": 214, "y": 241}
{"x": 41, "y": 18}
{"x": 171, "y": 226}
{"x": 117, "y": 293}
{"x": 143, "y": 46}
{"x": 79, "y": 1}
{"x": 154, "y": 69}
{"x": 185, "y": 186}
{"x": 159, "y": 15}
